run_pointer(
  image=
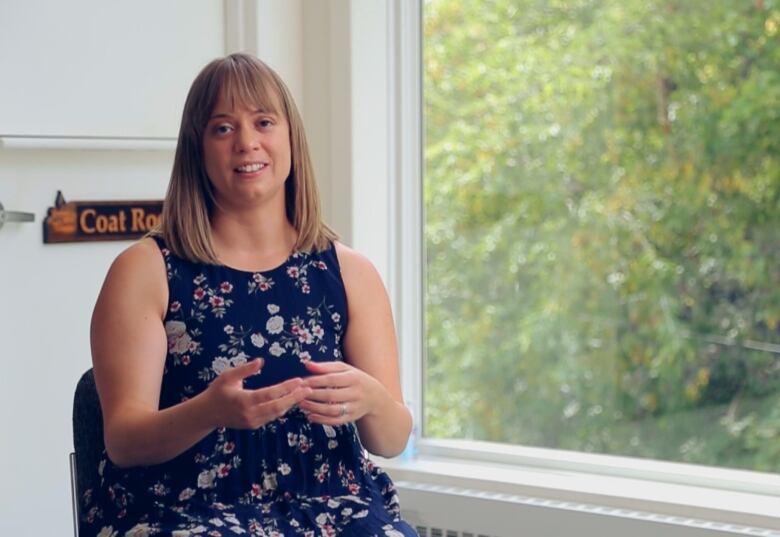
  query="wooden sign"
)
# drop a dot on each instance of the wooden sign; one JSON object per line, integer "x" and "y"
{"x": 80, "y": 221}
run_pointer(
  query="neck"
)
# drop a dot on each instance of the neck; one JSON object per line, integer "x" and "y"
{"x": 252, "y": 232}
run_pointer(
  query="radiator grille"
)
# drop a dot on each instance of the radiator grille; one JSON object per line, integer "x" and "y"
{"x": 426, "y": 531}
{"x": 436, "y": 511}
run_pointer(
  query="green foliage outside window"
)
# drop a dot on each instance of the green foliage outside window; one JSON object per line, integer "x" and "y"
{"x": 602, "y": 229}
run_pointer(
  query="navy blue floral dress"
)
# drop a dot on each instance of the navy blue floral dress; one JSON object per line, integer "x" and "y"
{"x": 290, "y": 476}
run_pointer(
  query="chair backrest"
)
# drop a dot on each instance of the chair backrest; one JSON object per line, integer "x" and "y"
{"x": 87, "y": 433}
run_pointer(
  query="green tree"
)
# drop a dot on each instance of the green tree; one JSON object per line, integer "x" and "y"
{"x": 602, "y": 197}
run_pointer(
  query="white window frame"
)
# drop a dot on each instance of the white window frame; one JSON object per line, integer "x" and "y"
{"x": 732, "y": 496}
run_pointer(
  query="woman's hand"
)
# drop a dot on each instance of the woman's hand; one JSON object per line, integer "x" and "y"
{"x": 340, "y": 393}
{"x": 236, "y": 407}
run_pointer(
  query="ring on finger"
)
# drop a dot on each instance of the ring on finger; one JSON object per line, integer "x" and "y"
{"x": 343, "y": 410}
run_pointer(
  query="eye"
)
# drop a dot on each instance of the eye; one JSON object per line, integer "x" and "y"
{"x": 264, "y": 123}
{"x": 222, "y": 128}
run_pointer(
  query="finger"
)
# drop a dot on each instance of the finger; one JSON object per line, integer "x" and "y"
{"x": 277, "y": 391}
{"x": 331, "y": 396}
{"x": 329, "y": 420}
{"x": 325, "y": 367}
{"x": 279, "y": 407}
{"x": 322, "y": 409}
{"x": 243, "y": 371}
{"x": 330, "y": 380}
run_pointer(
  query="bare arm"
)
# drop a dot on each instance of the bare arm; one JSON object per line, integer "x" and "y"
{"x": 129, "y": 346}
{"x": 371, "y": 387}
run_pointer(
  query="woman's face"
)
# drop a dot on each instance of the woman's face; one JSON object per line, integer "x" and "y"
{"x": 246, "y": 153}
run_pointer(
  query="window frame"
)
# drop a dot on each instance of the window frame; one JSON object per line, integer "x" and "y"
{"x": 407, "y": 285}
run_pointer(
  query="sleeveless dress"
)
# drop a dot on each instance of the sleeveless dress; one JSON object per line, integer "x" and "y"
{"x": 289, "y": 477}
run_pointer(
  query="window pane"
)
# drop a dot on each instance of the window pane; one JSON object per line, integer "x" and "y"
{"x": 602, "y": 229}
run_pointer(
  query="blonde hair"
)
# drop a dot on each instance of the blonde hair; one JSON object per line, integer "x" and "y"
{"x": 185, "y": 225}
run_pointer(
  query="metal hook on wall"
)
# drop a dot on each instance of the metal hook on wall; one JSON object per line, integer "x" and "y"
{"x": 14, "y": 216}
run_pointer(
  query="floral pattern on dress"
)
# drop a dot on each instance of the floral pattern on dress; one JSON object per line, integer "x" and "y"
{"x": 300, "y": 272}
{"x": 259, "y": 283}
{"x": 289, "y": 477}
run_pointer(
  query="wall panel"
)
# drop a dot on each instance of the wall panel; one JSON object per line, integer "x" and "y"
{"x": 96, "y": 68}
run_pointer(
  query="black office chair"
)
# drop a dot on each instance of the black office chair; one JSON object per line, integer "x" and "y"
{"x": 87, "y": 442}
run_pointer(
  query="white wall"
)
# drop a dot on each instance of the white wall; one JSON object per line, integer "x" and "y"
{"x": 96, "y": 68}
{"x": 47, "y": 296}
{"x": 279, "y": 41}
{"x": 370, "y": 177}
{"x": 328, "y": 115}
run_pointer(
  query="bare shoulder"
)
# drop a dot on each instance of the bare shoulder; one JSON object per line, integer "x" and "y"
{"x": 361, "y": 278}
{"x": 145, "y": 251}
{"x": 350, "y": 258}
{"x": 355, "y": 267}
{"x": 140, "y": 267}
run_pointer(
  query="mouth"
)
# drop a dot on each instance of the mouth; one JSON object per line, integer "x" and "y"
{"x": 252, "y": 167}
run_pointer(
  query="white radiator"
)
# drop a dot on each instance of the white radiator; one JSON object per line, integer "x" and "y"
{"x": 437, "y": 511}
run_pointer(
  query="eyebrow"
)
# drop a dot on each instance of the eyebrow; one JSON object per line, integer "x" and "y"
{"x": 257, "y": 112}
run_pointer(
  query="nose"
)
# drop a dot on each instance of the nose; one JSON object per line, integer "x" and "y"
{"x": 246, "y": 140}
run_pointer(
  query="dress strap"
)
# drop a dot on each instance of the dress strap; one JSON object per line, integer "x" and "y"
{"x": 329, "y": 256}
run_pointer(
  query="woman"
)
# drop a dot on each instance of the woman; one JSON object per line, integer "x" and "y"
{"x": 242, "y": 355}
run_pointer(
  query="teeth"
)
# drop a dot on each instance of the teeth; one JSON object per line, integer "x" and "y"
{"x": 251, "y": 167}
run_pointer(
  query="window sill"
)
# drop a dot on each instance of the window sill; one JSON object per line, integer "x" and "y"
{"x": 674, "y": 500}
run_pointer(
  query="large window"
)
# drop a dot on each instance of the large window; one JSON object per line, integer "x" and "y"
{"x": 602, "y": 226}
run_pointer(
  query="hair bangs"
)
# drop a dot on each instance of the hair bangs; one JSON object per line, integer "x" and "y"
{"x": 246, "y": 83}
